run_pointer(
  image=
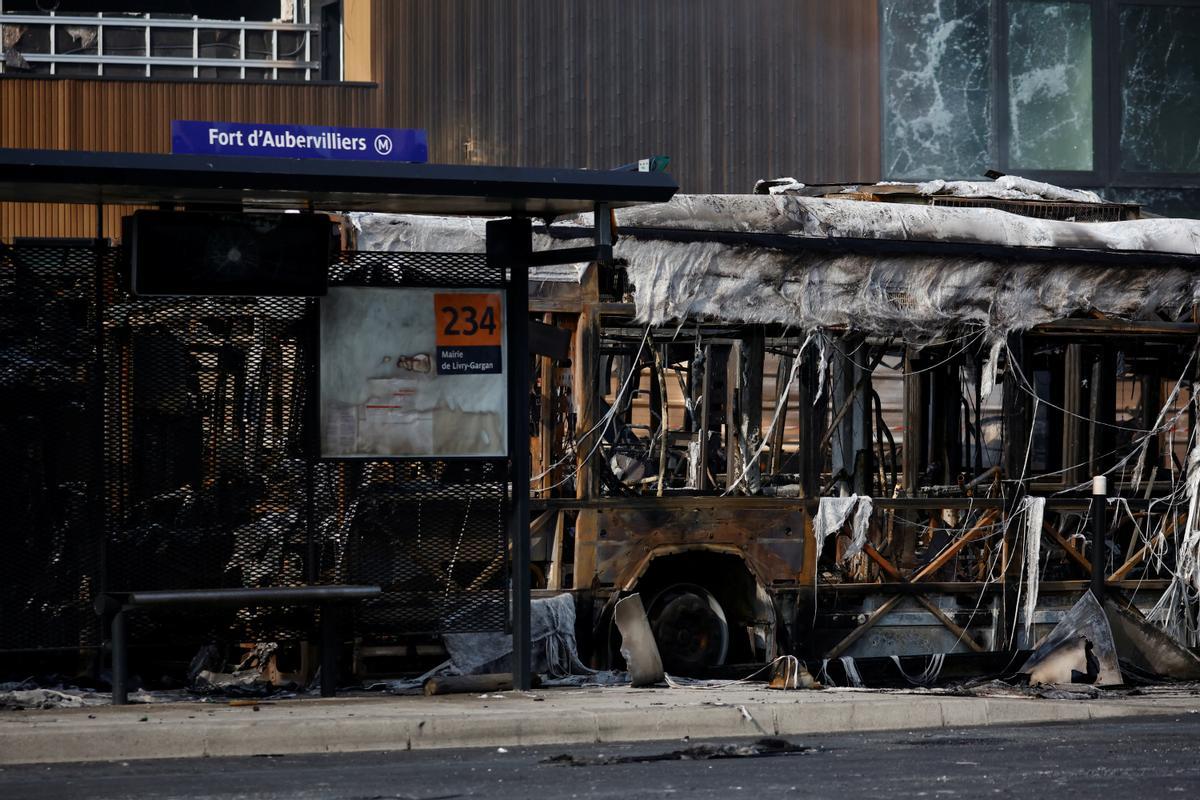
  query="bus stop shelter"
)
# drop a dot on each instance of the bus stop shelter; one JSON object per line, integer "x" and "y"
{"x": 93, "y": 368}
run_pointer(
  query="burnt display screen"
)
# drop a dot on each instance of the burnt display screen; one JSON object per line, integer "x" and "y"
{"x": 212, "y": 253}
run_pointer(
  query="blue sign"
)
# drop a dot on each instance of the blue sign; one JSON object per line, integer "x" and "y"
{"x": 298, "y": 141}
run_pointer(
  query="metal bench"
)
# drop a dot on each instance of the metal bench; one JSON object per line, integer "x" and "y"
{"x": 116, "y": 606}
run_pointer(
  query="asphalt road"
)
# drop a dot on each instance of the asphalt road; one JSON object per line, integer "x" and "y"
{"x": 1139, "y": 758}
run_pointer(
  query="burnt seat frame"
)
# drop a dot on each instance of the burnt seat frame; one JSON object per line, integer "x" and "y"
{"x": 116, "y": 606}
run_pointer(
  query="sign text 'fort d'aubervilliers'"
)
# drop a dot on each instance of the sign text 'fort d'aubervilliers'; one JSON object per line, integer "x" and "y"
{"x": 189, "y": 137}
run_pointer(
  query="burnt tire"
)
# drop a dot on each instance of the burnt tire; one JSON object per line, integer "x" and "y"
{"x": 690, "y": 629}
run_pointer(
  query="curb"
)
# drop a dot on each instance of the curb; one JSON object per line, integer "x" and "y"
{"x": 145, "y": 734}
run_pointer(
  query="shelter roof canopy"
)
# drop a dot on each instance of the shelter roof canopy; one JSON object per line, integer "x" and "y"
{"x": 67, "y": 176}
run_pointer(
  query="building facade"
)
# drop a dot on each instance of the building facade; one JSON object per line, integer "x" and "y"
{"x": 731, "y": 93}
{"x": 1089, "y": 93}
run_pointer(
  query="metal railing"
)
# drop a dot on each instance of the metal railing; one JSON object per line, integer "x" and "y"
{"x": 297, "y": 59}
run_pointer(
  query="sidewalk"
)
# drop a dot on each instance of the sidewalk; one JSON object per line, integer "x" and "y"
{"x": 553, "y": 716}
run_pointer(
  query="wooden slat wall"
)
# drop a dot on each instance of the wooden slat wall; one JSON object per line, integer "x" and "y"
{"x": 135, "y": 116}
{"x": 733, "y": 92}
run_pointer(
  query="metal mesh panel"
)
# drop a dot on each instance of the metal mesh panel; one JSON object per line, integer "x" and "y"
{"x": 206, "y": 479}
{"x": 49, "y": 453}
{"x": 177, "y": 455}
{"x": 1062, "y": 211}
{"x": 364, "y": 268}
{"x": 432, "y": 534}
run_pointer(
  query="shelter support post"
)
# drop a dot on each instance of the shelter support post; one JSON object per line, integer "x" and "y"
{"x": 120, "y": 658}
{"x": 1099, "y": 528}
{"x": 509, "y": 243}
{"x": 329, "y": 650}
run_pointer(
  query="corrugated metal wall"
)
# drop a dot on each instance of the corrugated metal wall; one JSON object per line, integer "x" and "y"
{"x": 733, "y": 92}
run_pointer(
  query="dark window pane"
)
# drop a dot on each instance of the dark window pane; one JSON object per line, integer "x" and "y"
{"x": 937, "y": 94}
{"x": 1160, "y": 87}
{"x": 1164, "y": 202}
{"x": 1050, "y": 85}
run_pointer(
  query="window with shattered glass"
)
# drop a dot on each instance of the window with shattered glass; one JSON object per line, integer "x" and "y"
{"x": 1049, "y": 83}
{"x": 1099, "y": 93}
{"x": 937, "y": 93}
{"x": 1159, "y": 88}
{"x": 945, "y": 115}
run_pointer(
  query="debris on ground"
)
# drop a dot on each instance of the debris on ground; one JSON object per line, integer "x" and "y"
{"x": 54, "y": 692}
{"x": 604, "y": 677}
{"x": 254, "y": 676}
{"x": 45, "y": 699}
{"x": 1148, "y": 649}
{"x": 555, "y": 654}
{"x": 1070, "y": 661}
{"x": 552, "y": 634}
{"x": 416, "y": 686}
{"x": 1067, "y": 691}
{"x": 239, "y": 682}
{"x": 637, "y": 642}
{"x": 790, "y": 673}
{"x": 762, "y": 748}
{"x": 1079, "y": 649}
{"x": 471, "y": 684}
{"x": 207, "y": 659}
{"x": 999, "y": 688}
{"x": 64, "y": 696}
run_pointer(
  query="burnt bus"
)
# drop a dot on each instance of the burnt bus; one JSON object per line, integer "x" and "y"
{"x": 859, "y": 422}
